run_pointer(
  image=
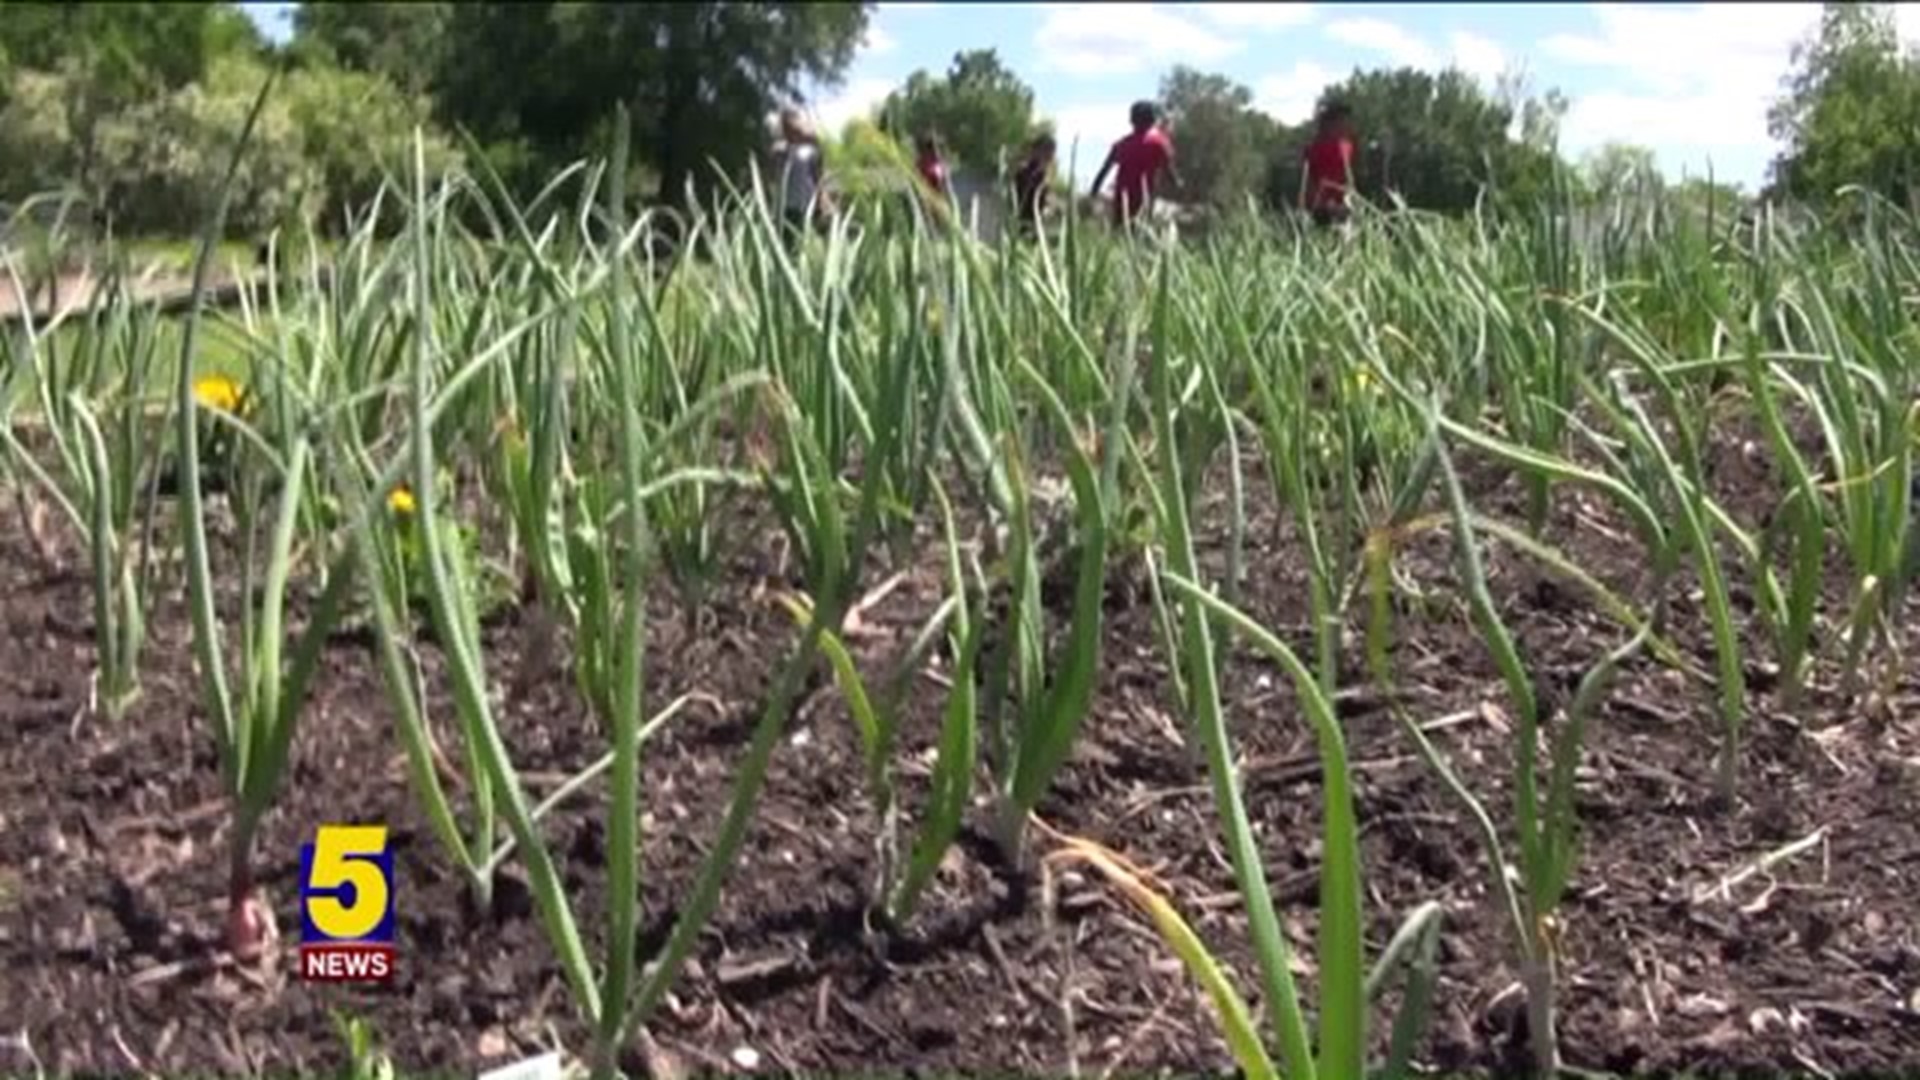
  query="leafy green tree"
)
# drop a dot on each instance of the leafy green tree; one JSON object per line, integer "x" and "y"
{"x": 1223, "y": 142}
{"x": 863, "y": 146}
{"x": 700, "y": 77}
{"x": 325, "y": 141}
{"x": 36, "y": 144}
{"x": 231, "y": 32}
{"x": 1698, "y": 191}
{"x": 406, "y": 42}
{"x": 113, "y": 56}
{"x": 1540, "y": 114}
{"x": 871, "y": 169}
{"x": 979, "y": 109}
{"x": 1281, "y": 156}
{"x": 523, "y": 122}
{"x": 356, "y": 132}
{"x": 1440, "y": 141}
{"x": 1850, "y": 114}
{"x": 1619, "y": 169}
{"x": 149, "y": 43}
{"x": 162, "y": 161}
{"x": 1533, "y": 171}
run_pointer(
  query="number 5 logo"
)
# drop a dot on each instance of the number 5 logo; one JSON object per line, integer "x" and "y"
{"x": 346, "y": 881}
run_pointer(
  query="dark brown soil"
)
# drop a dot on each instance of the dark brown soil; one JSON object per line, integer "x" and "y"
{"x": 112, "y": 851}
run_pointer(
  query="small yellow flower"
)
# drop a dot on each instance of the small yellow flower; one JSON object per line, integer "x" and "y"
{"x": 400, "y": 501}
{"x": 936, "y": 316}
{"x": 218, "y": 392}
{"x": 508, "y": 428}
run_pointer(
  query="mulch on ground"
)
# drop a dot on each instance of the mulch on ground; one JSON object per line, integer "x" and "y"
{"x": 112, "y": 857}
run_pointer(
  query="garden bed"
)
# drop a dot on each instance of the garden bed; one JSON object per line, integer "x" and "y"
{"x": 112, "y": 851}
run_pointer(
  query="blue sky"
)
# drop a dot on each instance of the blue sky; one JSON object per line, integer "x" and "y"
{"x": 1691, "y": 81}
{"x": 274, "y": 20}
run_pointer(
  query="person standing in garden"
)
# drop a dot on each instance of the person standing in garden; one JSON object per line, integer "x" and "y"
{"x": 801, "y": 172}
{"x": 1030, "y": 184}
{"x": 932, "y": 167}
{"x": 1137, "y": 161}
{"x": 1326, "y": 167}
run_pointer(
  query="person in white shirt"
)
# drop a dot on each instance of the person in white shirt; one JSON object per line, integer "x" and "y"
{"x": 803, "y": 198}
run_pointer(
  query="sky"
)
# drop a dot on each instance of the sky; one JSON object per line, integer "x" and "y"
{"x": 1692, "y": 82}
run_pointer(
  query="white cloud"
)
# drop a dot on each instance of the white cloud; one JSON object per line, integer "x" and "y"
{"x": 1674, "y": 49}
{"x": 1255, "y": 16}
{"x": 852, "y": 101}
{"x": 1290, "y": 97}
{"x": 860, "y": 96}
{"x": 1120, "y": 39}
{"x": 1382, "y": 36}
{"x": 877, "y": 41}
{"x": 1477, "y": 56}
{"x": 1690, "y": 81}
{"x": 1607, "y": 116}
{"x": 275, "y": 21}
{"x": 1094, "y": 127}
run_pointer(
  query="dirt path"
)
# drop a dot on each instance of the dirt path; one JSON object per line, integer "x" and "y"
{"x": 80, "y": 290}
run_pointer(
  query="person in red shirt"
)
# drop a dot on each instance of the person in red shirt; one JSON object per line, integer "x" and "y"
{"x": 1137, "y": 160}
{"x": 930, "y": 165}
{"x": 1326, "y": 172}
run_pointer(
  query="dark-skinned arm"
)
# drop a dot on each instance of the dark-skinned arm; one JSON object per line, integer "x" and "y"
{"x": 1100, "y": 178}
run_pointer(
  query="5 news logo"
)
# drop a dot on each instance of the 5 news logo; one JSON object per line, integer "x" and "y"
{"x": 346, "y": 905}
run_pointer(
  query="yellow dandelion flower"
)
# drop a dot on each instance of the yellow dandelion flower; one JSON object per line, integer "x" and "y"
{"x": 400, "y": 501}
{"x": 508, "y": 428}
{"x": 217, "y": 392}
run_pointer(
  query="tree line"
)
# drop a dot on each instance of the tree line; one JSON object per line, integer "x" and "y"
{"x": 1848, "y": 116}
{"x": 131, "y": 105}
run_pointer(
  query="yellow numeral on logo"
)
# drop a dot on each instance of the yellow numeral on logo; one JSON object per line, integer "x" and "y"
{"x": 339, "y": 858}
